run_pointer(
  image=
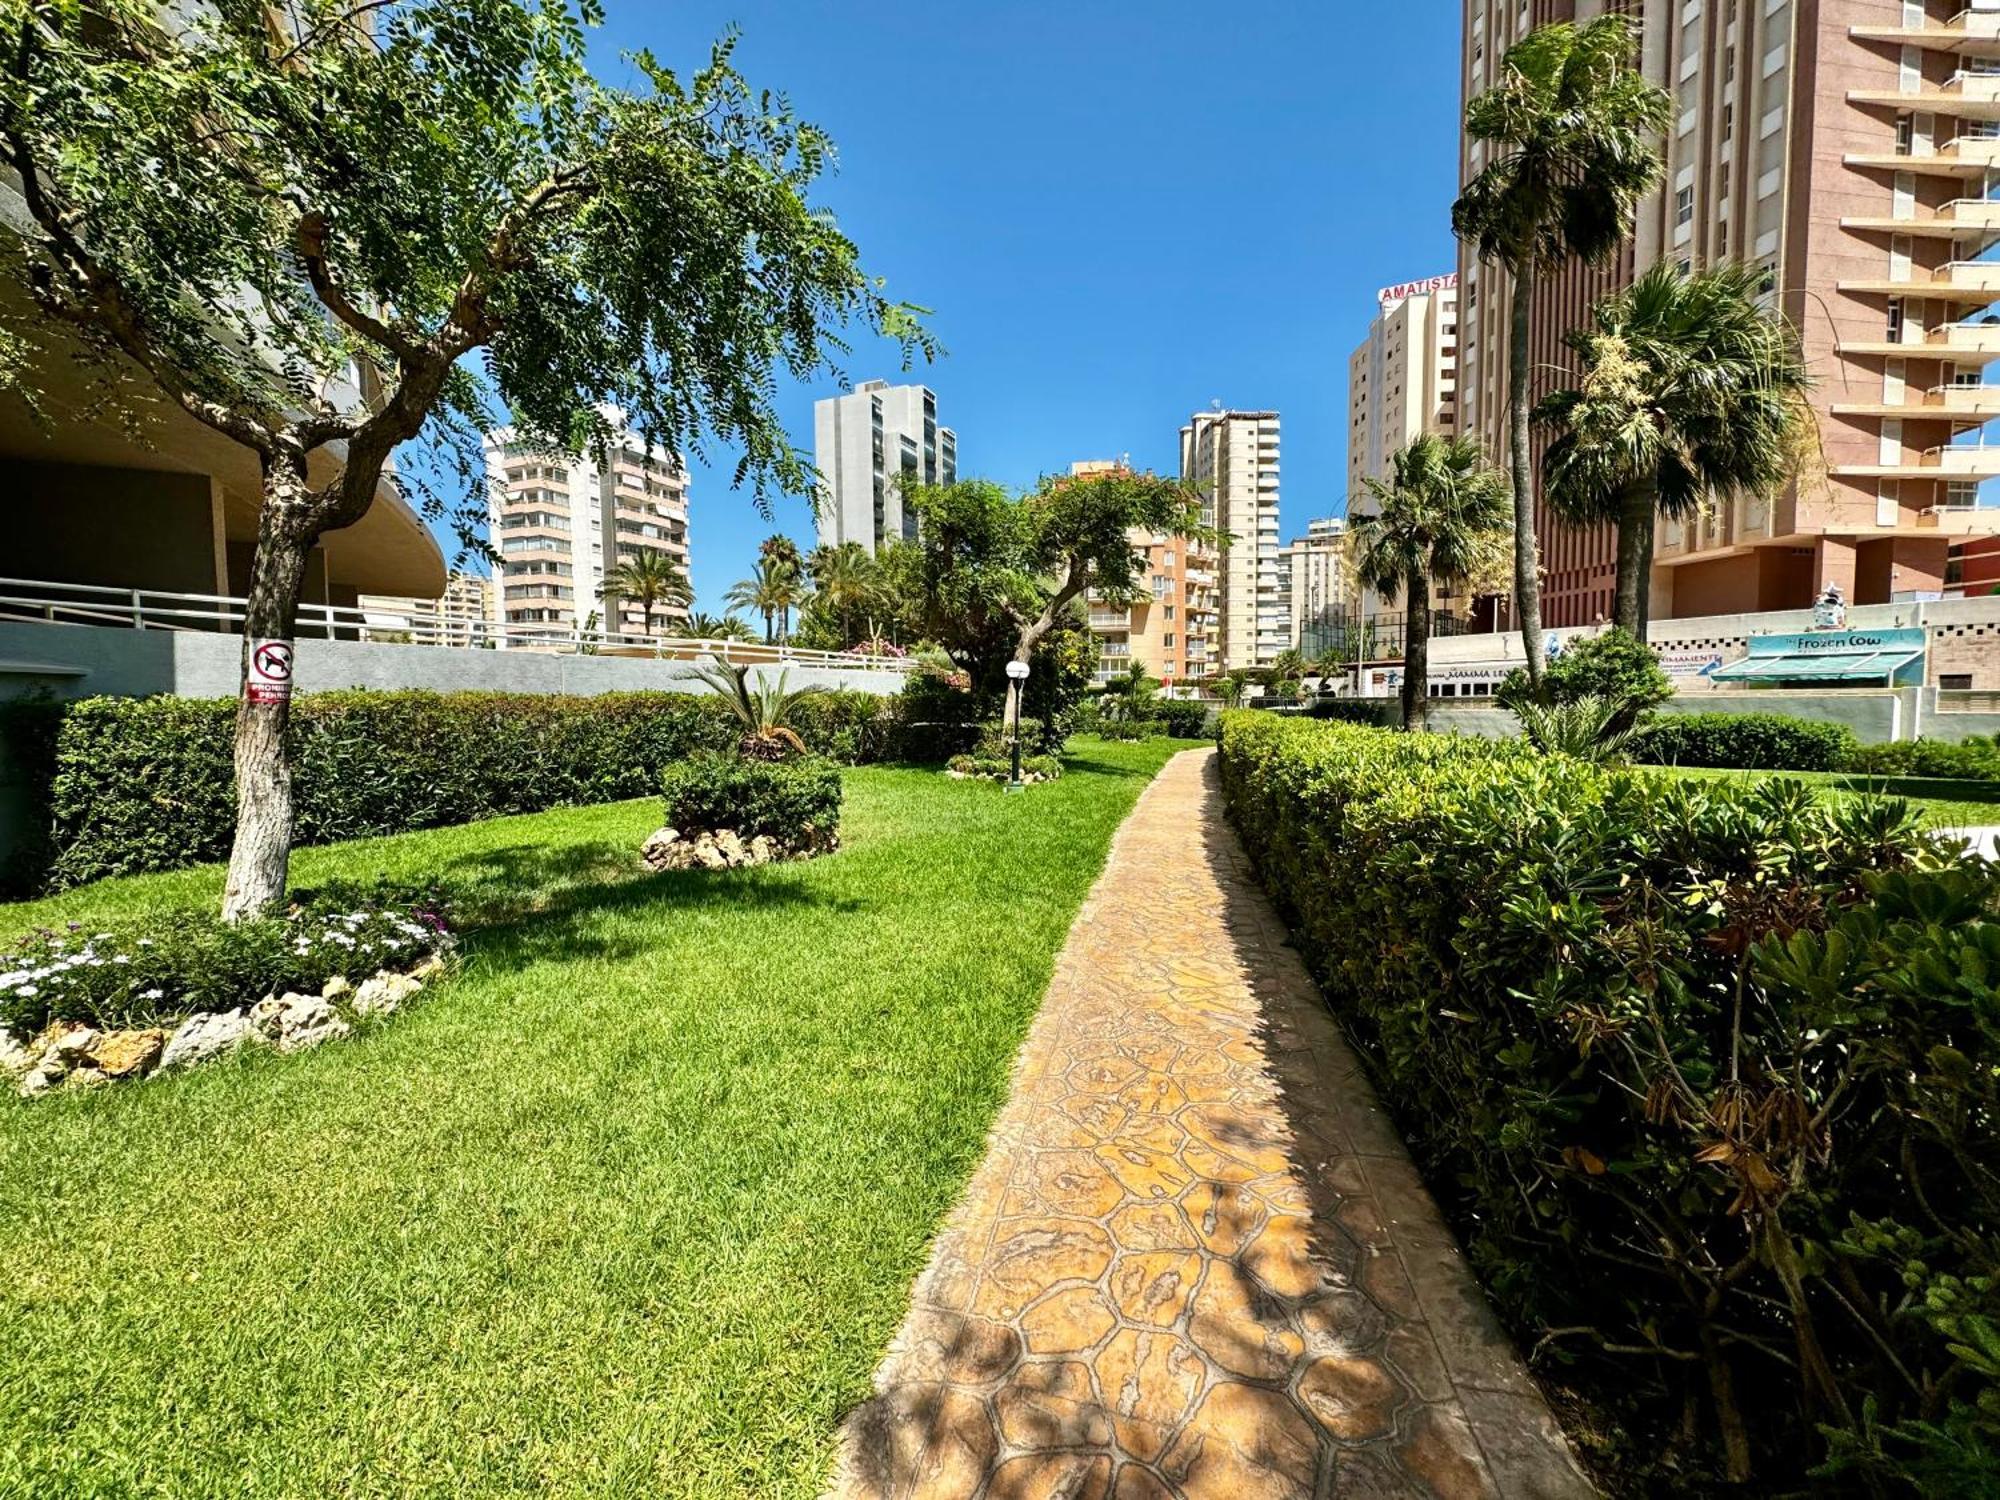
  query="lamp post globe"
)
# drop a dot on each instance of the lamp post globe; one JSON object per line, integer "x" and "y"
{"x": 1017, "y": 684}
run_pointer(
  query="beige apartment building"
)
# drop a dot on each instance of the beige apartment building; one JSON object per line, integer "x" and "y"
{"x": 1170, "y": 626}
{"x": 1846, "y": 147}
{"x": 562, "y": 525}
{"x": 1232, "y": 457}
{"x": 1317, "y": 593}
{"x": 461, "y": 616}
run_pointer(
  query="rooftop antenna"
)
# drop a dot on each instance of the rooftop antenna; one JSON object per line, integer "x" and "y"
{"x": 1215, "y": 403}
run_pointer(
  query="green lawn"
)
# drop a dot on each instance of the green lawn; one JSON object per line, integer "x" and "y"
{"x": 1944, "y": 804}
{"x": 628, "y": 1208}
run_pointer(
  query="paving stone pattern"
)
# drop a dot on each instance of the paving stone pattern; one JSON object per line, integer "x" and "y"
{"x": 1196, "y": 1261}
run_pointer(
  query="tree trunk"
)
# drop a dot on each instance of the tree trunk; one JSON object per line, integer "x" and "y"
{"x": 1527, "y": 575}
{"x": 1416, "y": 651}
{"x": 1635, "y": 560}
{"x": 261, "y": 854}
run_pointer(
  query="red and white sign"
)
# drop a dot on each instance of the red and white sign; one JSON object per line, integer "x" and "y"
{"x": 1402, "y": 291}
{"x": 270, "y": 678}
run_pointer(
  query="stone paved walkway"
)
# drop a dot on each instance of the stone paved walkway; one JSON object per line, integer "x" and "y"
{"x": 1196, "y": 1261}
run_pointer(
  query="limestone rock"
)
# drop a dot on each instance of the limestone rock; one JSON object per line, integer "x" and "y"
{"x": 203, "y": 1036}
{"x": 730, "y": 847}
{"x": 86, "y": 1078}
{"x": 17, "y": 1056}
{"x": 430, "y": 968}
{"x": 658, "y": 850}
{"x": 724, "y": 849}
{"x": 129, "y": 1054}
{"x": 335, "y": 987}
{"x": 381, "y": 995}
{"x": 41, "y": 1078}
{"x": 68, "y": 1043}
{"x": 296, "y": 1022}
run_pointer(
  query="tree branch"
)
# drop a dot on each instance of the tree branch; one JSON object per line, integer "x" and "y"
{"x": 311, "y": 243}
{"x": 467, "y": 326}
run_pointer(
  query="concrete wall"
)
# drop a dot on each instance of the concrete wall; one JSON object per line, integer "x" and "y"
{"x": 136, "y": 528}
{"x": 1873, "y": 716}
{"x": 74, "y": 661}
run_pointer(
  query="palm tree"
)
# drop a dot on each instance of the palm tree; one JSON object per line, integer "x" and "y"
{"x": 764, "y": 709}
{"x": 846, "y": 582}
{"x": 1129, "y": 693}
{"x": 1440, "y": 511}
{"x": 718, "y": 628}
{"x": 1689, "y": 390}
{"x": 648, "y": 579}
{"x": 771, "y": 590}
{"x": 1569, "y": 134}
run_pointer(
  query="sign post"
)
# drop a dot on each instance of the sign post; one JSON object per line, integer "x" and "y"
{"x": 270, "y": 672}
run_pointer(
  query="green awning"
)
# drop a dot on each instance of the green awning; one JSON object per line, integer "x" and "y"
{"x": 1819, "y": 666}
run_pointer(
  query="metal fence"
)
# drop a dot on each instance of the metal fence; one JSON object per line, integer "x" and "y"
{"x": 1373, "y": 637}
{"x": 158, "y": 609}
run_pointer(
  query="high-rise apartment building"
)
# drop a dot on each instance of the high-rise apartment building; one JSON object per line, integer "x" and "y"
{"x": 1316, "y": 583}
{"x": 863, "y": 444}
{"x": 562, "y": 526}
{"x": 1844, "y": 146}
{"x": 1232, "y": 457}
{"x": 1402, "y": 380}
{"x": 1171, "y": 625}
{"x": 459, "y": 617}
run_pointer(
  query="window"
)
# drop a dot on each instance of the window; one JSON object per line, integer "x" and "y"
{"x": 1684, "y": 206}
{"x": 1895, "y": 320}
{"x": 1905, "y": 134}
{"x": 1955, "y": 682}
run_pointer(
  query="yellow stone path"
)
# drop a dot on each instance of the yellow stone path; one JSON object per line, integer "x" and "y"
{"x": 1196, "y": 1261}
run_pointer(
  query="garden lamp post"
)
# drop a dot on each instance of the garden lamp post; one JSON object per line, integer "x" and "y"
{"x": 1017, "y": 675}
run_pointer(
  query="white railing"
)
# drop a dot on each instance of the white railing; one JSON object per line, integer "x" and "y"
{"x": 159, "y": 609}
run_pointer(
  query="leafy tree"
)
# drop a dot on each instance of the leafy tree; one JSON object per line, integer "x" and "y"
{"x": 998, "y": 573}
{"x": 772, "y": 590}
{"x": 648, "y": 579}
{"x": 1288, "y": 665}
{"x": 1440, "y": 506}
{"x": 1689, "y": 390}
{"x": 718, "y": 628}
{"x": 1229, "y": 687}
{"x": 1569, "y": 131}
{"x": 328, "y": 229}
{"x": 1614, "y": 666}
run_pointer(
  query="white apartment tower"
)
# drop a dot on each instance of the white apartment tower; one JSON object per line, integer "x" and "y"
{"x": 1232, "y": 457}
{"x": 563, "y": 524}
{"x": 1402, "y": 380}
{"x": 862, "y": 444}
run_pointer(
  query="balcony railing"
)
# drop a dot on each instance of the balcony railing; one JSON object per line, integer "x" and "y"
{"x": 156, "y": 609}
{"x": 1372, "y": 637}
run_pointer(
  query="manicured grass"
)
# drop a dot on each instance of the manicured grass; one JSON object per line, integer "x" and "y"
{"x": 1943, "y": 803}
{"x": 630, "y": 1207}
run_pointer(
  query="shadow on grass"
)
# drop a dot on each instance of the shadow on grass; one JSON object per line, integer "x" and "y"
{"x": 1922, "y": 788}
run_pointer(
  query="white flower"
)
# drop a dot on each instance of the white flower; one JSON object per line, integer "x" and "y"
{"x": 145, "y": 942}
{"x": 121, "y": 959}
{"x": 155, "y": 994}
{"x": 29, "y": 990}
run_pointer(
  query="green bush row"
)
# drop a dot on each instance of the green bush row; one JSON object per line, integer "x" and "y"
{"x": 1976, "y": 758}
{"x": 1707, "y": 1076}
{"x": 127, "y": 785}
{"x": 1747, "y": 742}
{"x": 794, "y": 803}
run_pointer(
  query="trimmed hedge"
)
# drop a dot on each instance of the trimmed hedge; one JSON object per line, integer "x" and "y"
{"x": 1707, "y": 1076}
{"x": 147, "y": 784}
{"x": 1184, "y": 718}
{"x": 1972, "y": 759}
{"x": 1747, "y": 742}
{"x": 794, "y": 803}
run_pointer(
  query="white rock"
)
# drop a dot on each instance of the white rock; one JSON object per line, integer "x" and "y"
{"x": 296, "y": 1022}
{"x": 381, "y": 995}
{"x": 207, "y": 1035}
{"x": 71, "y": 1046}
{"x": 335, "y": 987}
{"x": 41, "y": 1079}
{"x": 430, "y": 968}
{"x": 17, "y": 1056}
{"x": 730, "y": 847}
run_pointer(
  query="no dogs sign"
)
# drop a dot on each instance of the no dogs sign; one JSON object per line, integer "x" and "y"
{"x": 270, "y": 672}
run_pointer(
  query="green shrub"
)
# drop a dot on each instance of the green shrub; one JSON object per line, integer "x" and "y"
{"x": 147, "y": 784}
{"x": 1131, "y": 729}
{"x": 1613, "y": 665}
{"x": 131, "y": 971}
{"x": 1707, "y": 1076}
{"x": 1037, "y": 738}
{"x": 1001, "y": 767}
{"x": 794, "y": 803}
{"x": 1747, "y": 742}
{"x": 1378, "y": 713}
{"x": 1972, "y": 759}
{"x": 1184, "y": 718}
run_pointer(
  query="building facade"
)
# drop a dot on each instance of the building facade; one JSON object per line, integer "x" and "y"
{"x": 1171, "y": 626}
{"x": 1403, "y": 378}
{"x": 1232, "y": 458}
{"x": 1844, "y": 147}
{"x": 563, "y": 524}
{"x": 1316, "y": 583}
{"x": 461, "y": 616}
{"x": 863, "y": 444}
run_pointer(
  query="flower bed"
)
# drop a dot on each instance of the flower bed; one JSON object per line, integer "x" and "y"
{"x": 1001, "y": 767}
{"x": 1708, "y": 1077}
{"x": 726, "y": 810}
{"x": 80, "y": 1008}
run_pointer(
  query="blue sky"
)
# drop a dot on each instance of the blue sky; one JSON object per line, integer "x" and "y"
{"x": 1120, "y": 210}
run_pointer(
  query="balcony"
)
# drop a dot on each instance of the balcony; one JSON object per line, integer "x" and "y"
{"x": 1945, "y": 461}
{"x": 1967, "y": 404}
{"x": 1967, "y": 342}
{"x": 1968, "y": 95}
{"x": 1961, "y": 218}
{"x": 1968, "y": 157}
{"x": 1973, "y": 32}
{"x": 1970, "y": 283}
{"x": 1111, "y": 619}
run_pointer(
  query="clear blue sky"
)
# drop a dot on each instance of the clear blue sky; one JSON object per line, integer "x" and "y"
{"x": 1120, "y": 210}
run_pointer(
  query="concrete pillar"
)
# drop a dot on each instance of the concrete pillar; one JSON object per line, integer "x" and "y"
{"x": 1833, "y": 563}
